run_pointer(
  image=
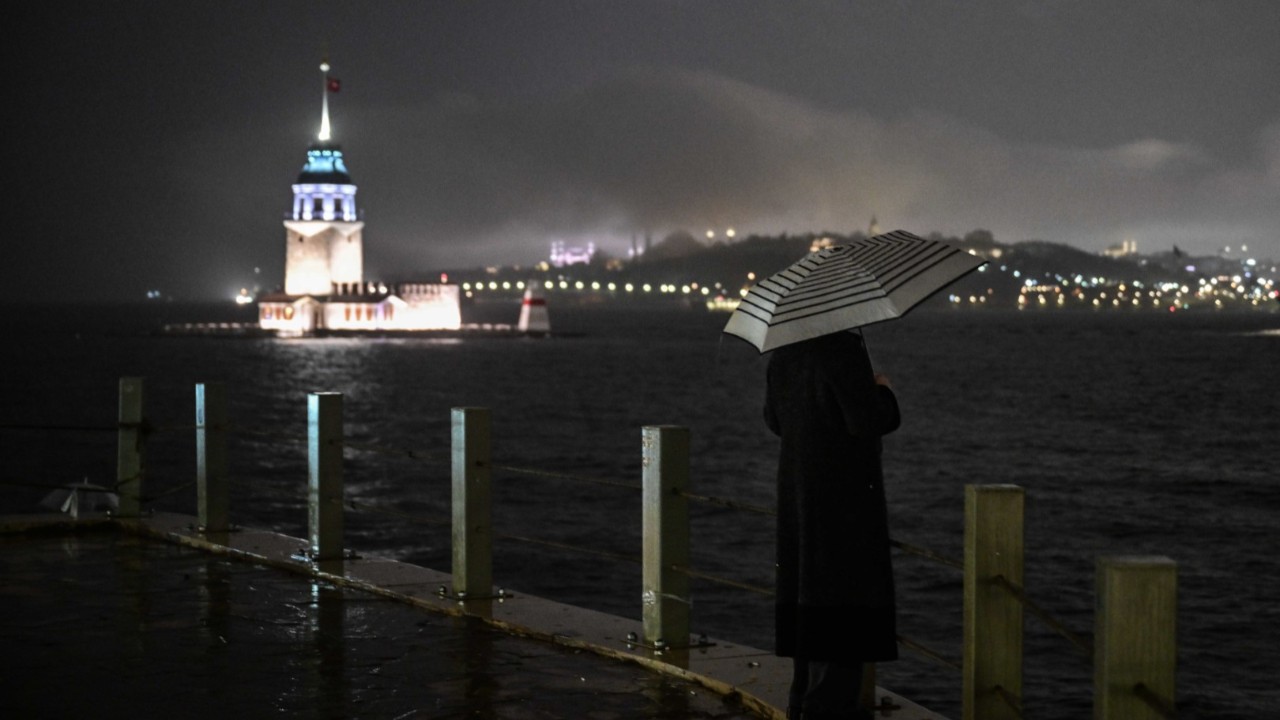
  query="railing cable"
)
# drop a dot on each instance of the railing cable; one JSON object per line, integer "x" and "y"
{"x": 732, "y": 504}
{"x": 1084, "y": 646}
{"x": 926, "y": 553}
{"x": 166, "y": 493}
{"x": 1155, "y": 702}
{"x": 1013, "y": 701}
{"x": 762, "y": 510}
{"x": 565, "y": 476}
{"x": 907, "y": 642}
{"x": 572, "y": 548}
{"x": 723, "y": 581}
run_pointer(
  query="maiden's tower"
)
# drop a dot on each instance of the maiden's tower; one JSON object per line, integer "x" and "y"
{"x": 324, "y": 285}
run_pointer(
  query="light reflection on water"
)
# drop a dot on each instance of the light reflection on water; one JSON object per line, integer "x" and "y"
{"x": 1132, "y": 434}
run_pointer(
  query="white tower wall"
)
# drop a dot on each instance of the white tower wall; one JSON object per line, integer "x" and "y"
{"x": 319, "y": 254}
{"x": 346, "y": 253}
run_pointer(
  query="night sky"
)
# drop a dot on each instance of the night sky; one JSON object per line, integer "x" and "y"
{"x": 156, "y": 142}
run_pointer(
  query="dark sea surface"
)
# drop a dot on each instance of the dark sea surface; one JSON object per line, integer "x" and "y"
{"x": 1131, "y": 433}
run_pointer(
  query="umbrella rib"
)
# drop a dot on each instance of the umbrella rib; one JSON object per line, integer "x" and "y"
{"x": 785, "y": 275}
{"x": 827, "y": 287}
{"x": 778, "y": 278}
{"x": 903, "y": 269}
{"x": 919, "y": 270}
{"x": 751, "y": 308}
{"x": 812, "y": 310}
{"x": 821, "y": 293}
{"x": 833, "y": 272}
{"x": 932, "y": 292}
{"x": 883, "y": 261}
{"x": 865, "y": 290}
{"x": 916, "y": 251}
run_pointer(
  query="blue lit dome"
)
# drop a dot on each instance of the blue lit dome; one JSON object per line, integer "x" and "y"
{"x": 324, "y": 166}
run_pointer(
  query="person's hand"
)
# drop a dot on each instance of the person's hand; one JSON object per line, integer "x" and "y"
{"x": 882, "y": 379}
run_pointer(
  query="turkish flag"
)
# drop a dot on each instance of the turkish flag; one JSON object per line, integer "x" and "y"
{"x": 334, "y": 85}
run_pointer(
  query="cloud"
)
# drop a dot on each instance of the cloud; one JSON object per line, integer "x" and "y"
{"x": 658, "y": 150}
{"x": 1269, "y": 149}
{"x": 1152, "y": 154}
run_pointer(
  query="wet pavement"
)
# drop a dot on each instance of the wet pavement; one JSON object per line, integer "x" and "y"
{"x": 104, "y": 623}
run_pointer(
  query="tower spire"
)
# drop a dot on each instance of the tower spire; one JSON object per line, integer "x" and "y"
{"x": 324, "y": 103}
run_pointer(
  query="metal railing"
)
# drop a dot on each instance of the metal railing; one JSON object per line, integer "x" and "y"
{"x": 1133, "y": 649}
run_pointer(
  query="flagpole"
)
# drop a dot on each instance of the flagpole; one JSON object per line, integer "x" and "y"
{"x": 324, "y": 103}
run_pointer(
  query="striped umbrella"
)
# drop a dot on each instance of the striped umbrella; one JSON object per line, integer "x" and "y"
{"x": 847, "y": 286}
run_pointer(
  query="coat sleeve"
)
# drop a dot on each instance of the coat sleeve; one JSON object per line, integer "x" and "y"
{"x": 770, "y": 413}
{"x": 868, "y": 409}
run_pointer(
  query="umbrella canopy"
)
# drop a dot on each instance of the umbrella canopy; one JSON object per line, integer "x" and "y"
{"x": 847, "y": 286}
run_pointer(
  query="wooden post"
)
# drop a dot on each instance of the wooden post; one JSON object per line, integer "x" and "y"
{"x": 212, "y": 491}
{"x": 666, "y": 535}
{"x": 1135, "y": 649}
{"x": 130, "y": 468}
{"x": 992, "y": 615}
{"x": 324, "y": 466}
{"x": 472, "y": 524}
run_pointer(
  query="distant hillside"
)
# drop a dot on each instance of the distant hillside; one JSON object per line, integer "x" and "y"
{"x": 682, "y": 259}
{"x": 728, "y": 264}
{"x": 1038, "y": 260}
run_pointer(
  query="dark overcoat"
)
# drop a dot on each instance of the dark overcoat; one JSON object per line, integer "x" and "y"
{"x": 835, "y": 598}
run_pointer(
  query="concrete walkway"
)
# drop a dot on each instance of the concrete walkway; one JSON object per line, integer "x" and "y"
{"x": 108, "y": 618}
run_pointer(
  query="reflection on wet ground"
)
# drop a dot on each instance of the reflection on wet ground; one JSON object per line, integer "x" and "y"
{"x": 103, "y": 623}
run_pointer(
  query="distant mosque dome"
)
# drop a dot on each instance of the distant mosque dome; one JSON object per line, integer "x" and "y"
{"x": 324, "y": 166}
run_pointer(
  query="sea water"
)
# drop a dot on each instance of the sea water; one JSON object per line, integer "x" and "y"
{"x": 1131, "y": 434}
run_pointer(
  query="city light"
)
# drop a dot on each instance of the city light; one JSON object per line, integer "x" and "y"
{"x": 1021, "y": 286}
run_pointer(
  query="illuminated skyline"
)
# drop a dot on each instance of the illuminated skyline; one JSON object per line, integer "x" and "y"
{"x": 153, "y": 143}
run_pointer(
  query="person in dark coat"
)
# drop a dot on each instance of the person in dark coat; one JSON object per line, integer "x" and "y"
{"x": 835, "y": 599}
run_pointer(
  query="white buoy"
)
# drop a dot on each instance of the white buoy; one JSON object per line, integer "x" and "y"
{"x": 533, "y": 312}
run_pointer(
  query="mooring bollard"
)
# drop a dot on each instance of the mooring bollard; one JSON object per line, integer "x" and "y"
{"x": 130, "y": 444}
{"x": 666, "y": 535}
{"x": 324, "y": 465}
{"x": 472, "y": 524}
{"x": 992, "y": 614}
{"x": 1135, "y": 648}
{"x": 212, "y": 491}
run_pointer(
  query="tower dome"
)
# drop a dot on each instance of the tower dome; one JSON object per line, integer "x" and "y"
{"x": 324, "y": 165}
{"x": 324, "y": 190}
